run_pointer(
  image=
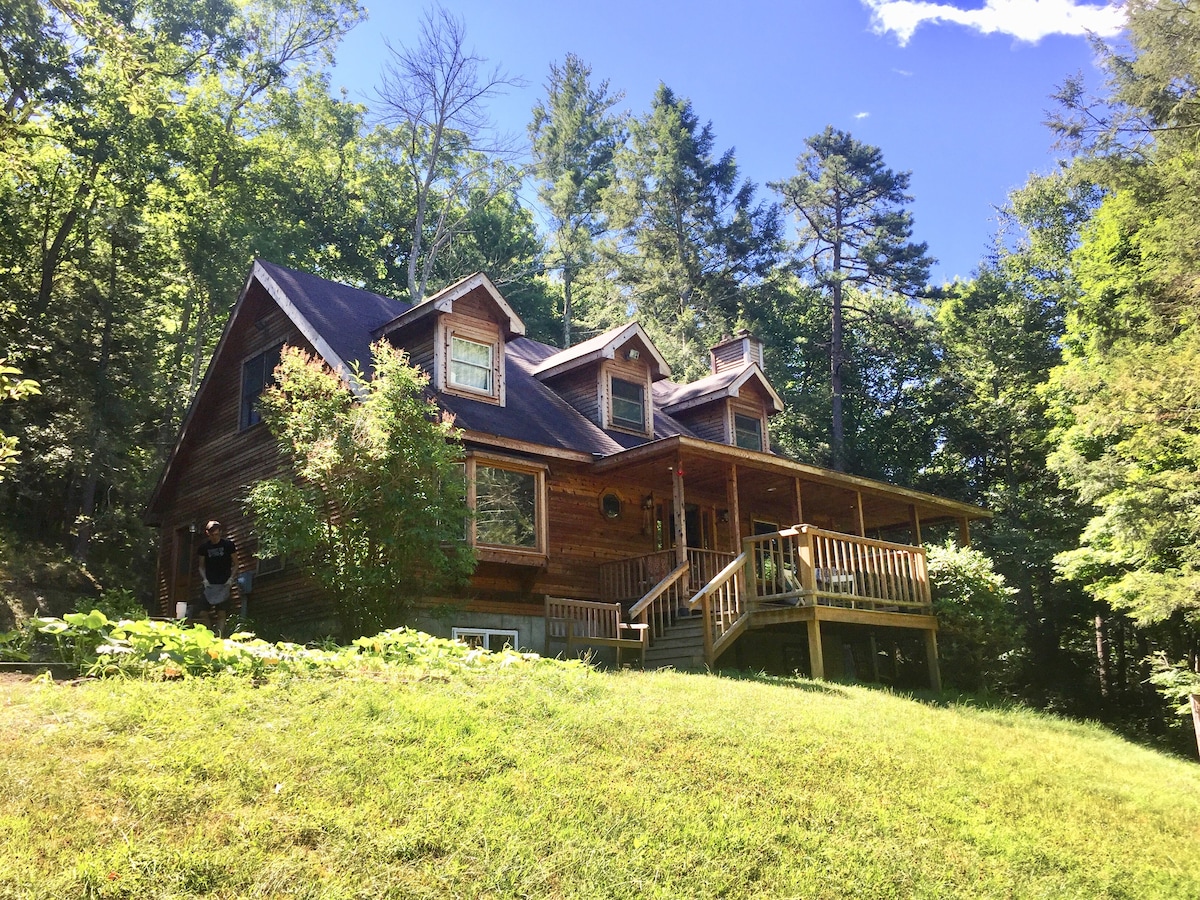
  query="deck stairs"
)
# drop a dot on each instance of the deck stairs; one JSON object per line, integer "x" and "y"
{"x": 681, "y": 646}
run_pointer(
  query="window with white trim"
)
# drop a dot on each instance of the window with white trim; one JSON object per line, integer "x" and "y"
{"x": 628, "y": 404}
{"x": 472, "y": 365}
{"x": 487, "y": 638}
{"x": 747, "y": 432}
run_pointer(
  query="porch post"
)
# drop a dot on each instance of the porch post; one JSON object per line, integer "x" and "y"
{"x": 816, "y": 659}
{"x": 862, "y": 528}
{"x": 964, "y": 532}
{"x": 681, "y": 554}
{"x": 735, "y": 512}
{"x": 799, "y": 503}
{"x": 914, "y": 521}
{"x": 931, "y": 656}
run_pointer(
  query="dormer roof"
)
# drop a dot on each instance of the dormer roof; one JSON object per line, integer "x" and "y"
{"x": 728, "y": 383}
{"x": 443, "y": 302}
{"x": 605, "y": 346}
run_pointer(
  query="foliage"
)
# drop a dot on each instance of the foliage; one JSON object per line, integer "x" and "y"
{"x": 693, "y": 241}
{"x": 100, "y": 646}
{"x": 434, "y": 94}
{"x": 12, "y": 387}
{"x": 575, "y": 139}
{"x": 977, "y": 633}
{"x": 377, "y": 499}
{"x": 854, "y": 231}
{"x": 547, "y": 780}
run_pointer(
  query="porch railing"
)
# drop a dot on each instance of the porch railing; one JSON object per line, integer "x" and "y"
{"x": 808, "y": 565}
{"x": 663, "y": 603}
{"x": 625, "y": 580}
{"x": 722, "y": 603}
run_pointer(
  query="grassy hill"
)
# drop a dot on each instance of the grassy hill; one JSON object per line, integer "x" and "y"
{"x": 551, "y": 781}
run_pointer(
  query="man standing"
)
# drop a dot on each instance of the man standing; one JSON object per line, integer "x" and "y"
{"x": 218, "y": 561}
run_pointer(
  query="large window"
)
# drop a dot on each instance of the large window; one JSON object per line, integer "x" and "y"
{"x": 257, "y": 373}
{"x": 628, "y": 404}
{"x": 747, "y": 432}
{"x": 471, "y": 364}
{"x": 508, "y": 501}
{"x": 505, "y": 507}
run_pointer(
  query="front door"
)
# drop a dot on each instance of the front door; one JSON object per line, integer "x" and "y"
{"x": 182, "y": 567}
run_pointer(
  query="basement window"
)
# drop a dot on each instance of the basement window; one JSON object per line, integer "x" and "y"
{"x": 486, "y": 638}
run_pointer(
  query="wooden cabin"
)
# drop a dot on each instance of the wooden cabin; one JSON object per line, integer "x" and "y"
{"x": 615, "y": 509}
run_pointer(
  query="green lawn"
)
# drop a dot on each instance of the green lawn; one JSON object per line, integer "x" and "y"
{"x": 542, "y": 781}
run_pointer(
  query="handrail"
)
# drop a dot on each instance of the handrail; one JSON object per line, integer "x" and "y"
{"x": 659, "y": 589}
{"x": 722, "y": 607}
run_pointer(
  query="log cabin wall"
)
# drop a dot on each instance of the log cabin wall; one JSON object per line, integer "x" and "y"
{"x": 221, "y": 463}
{"x": 579, "y": 388}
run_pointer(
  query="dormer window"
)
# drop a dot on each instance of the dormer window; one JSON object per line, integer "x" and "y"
{"x": 471, "y": 365}
{"x": 747, "y": 432}
{"x": 471, "y": 359}
{"x": 629, "y": 405}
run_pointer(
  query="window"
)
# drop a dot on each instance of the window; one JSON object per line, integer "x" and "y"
{"x": 471, "y": 365}
{"x": 257, "y": 373}
{"x": 747, "y": 432}
{"x": 505, "y": 507}
{"x": 628, "y": 404}
{"x": 486, "y": 638}
{"x": 508, "y": 501}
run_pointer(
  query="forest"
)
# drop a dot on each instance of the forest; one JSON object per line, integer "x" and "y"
{"x": 154, "y": 149}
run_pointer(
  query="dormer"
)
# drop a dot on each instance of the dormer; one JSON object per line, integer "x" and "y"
{"x": 458, "y": 337}
{"x": 609, "y": 378}
{"x": 730, "y": 406}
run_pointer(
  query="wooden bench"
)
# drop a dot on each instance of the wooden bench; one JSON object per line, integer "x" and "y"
{"x": 590, "y": 624}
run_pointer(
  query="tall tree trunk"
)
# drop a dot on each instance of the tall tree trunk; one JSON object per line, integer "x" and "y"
{"x": 91, "y": 480}
{"x": 837, "y": 352}
{"x": 1102, "y": 661}
{"x": 567, "y": 279}
{"x": 52, "y": 248}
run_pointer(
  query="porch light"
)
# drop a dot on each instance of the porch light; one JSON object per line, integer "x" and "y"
{"x": 632, "y": 353}
{"x": 648, "y": 502}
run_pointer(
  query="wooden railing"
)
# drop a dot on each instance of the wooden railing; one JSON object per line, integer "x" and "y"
{"x": 808, "y": 565}
{"x": 661, "y": 605}
{"x": 721, "y": 602}
{"x": 592, "y": 624}
{"x": 623, "y": 580}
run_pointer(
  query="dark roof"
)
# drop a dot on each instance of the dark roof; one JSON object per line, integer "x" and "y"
{"x": 344, "y": 316}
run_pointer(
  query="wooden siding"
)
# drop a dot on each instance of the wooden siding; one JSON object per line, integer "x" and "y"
{"x": 420, "y": 346}
{"x": 217, "y": 463}
{"x": 580, "y": 389}
{"x": 707, "y": 422}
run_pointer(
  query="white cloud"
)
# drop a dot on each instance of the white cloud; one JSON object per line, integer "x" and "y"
{"x": 861, "y": 115}
{"x": 1026, "y": 20}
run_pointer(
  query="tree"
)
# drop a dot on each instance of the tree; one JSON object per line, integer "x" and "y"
{"x": 12, "y": 387}
{"x": 435, "y": 94}
{"x": 693, "y": 242}
{"x": 375, "y": 501}
{"x": 855, "y": 231}
{"x": 575, "y": 139}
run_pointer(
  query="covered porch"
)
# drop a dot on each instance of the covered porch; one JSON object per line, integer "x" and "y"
{"x": 726, "y": 555}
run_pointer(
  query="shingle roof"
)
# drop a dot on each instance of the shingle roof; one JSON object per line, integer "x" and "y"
{"x": 345, "y": 318}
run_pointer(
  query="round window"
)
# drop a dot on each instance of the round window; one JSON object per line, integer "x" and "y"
{"x": 610, "y": 505}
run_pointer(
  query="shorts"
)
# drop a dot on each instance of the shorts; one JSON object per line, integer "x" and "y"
{"x": 217, "y": 596}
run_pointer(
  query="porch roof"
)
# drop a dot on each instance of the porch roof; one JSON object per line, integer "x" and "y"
{"x": 707, "y": 465}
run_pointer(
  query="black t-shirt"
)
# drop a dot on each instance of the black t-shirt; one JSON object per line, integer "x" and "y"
{"x": 218, "y": 560}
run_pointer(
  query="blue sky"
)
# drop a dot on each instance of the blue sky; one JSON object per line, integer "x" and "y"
{"x": 956, "y": 93}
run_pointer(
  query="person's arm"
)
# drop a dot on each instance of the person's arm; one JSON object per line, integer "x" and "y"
{"x": 203, "y": 572}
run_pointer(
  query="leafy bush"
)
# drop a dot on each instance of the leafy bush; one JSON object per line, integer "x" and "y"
{"x": 977, "y": 631}
{"x": 157, "y": 649}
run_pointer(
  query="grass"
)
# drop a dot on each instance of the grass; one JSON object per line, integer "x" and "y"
{"x": 543, "y": 781}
